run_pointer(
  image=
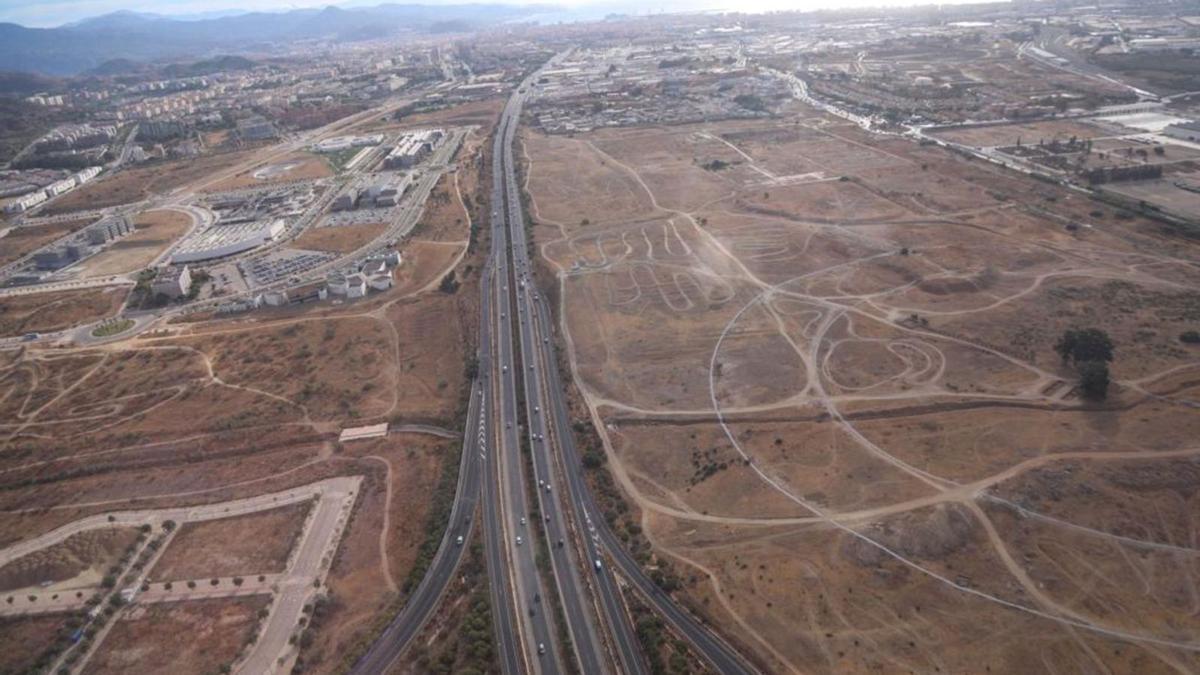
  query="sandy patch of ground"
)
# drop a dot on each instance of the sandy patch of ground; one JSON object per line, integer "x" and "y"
{"x": 156, "y": 231}
{"x": 291, "y": 168}
{"x": 21, "y": 241}
{"x": 46, "y": 312}
{"x": 256, "y": 543}
{"x": 95, "y": 551}
{"x": 147, "y": 638}
{"x": 343, "y": 239}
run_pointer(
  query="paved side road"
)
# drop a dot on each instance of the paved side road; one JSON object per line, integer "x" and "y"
{"x": 309, "y": 563}
{"x": 179, "y": 514}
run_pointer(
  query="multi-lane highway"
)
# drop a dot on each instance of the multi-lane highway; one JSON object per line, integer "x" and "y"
{"x": 582, "y": 552}
{"x": 550, "y": 424}
{"x": 535, "y": 628}
{"x": 573, "y": 589}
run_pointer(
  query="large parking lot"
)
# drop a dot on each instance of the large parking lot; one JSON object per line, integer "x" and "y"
{"x": 281, "y": 264}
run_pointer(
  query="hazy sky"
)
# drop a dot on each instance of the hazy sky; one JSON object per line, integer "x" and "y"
{"x": 42, "y": 13}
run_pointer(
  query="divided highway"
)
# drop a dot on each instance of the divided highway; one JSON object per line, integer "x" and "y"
{"x": 574, "y": 591}
{"x": 538, "y": 639}
{"x": 527, "y": 638}
{"x": 550, "y": 422}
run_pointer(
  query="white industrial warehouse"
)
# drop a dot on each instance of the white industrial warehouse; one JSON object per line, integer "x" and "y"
{"x": 219, "y": 240}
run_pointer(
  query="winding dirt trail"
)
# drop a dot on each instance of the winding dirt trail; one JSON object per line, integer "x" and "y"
{"x": 1093, "y": 264}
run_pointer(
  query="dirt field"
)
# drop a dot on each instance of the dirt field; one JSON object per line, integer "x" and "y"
{"x": 824, "y": 373}
{"x": 361, "y": 578}
{"x": 482, "y": 113}
{"x": 296, "y": 167}
{"x": 147, "y": 638}
{"x": 23, "y": 640}
{"x": 46, "y": 312}
{"x": 1162, "y": 193}
{"x": 1029, "y": 133}
{"x": 343, "y": 239}
{"x": 85, "y": 557}
{"x": 445, "y": 217}
{"x": 135, "y": 184}
{"x": 156, "y": 230}
{"x": 256, "y": 543}
{"x": 22, "y": 241}
{"x": 333, "y": 369}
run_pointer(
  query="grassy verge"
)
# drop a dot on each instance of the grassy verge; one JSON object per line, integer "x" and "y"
{"x": 112, "y": 327}
{"x": 461, "y": 640}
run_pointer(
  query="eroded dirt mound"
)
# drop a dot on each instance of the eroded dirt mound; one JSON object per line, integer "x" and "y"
{"x": 927, "y": 535}
{"x": 94, "y": 548}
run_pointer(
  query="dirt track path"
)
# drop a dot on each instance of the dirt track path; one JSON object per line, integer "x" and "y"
{"x": 944, "y": 490}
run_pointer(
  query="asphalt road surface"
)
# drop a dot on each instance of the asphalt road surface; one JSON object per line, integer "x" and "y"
{"x": 596, "y": 537}
{"x": 537, "y": 636}
{"x": 574, "y": 591}
{"x": 526, "y": 637}
{"x": 420, "y": 605}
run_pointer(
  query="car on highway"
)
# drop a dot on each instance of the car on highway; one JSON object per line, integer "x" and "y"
{"x": 547, "y": 487}
{"x": 520, "y": 541}
{"x": 459, "y": 541}
{"x": 541, "y": 649}
{"x": 599, "y": 565}
{"x": 522, "y": 521}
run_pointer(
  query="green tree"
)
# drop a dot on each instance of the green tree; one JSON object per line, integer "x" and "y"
{"x": 1087, "y": 344}
{"x": 1093, "y": 380}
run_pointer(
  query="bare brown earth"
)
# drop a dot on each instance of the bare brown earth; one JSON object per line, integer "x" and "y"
{"x": 147, "y": 638}
{"x": 482, "y": 113}
{"x": 303, "y": 166}
{"x": 256, "y": 543}
{"x": 46, "y": 312}
{"x": 155, "y": 231}
{"x": 824, "y": 377}
{"x": 95, "y": 550}
{"x": 361, "y": 579}
{"x": 21, "y": 241}
{"x": 1029, "y": 133}
{"x": 343, "y": 239}
{"x": 131, "y": 185}
{"x": 24, "y": 639}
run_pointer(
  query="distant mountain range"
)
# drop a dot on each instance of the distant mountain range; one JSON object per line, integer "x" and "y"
{"x": 85, "y": 45}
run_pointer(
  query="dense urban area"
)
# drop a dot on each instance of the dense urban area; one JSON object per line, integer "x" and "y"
{"x": 715, "y": 342}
